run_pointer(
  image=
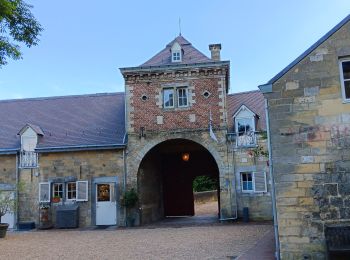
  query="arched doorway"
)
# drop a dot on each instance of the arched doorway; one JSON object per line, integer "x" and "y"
{"x": 165, "y": 178}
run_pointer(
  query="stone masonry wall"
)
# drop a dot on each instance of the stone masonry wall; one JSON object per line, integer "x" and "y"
{"x": 310, "y": 147}
{"x": 8, "y": 169}
{"x": 84, "y": 165}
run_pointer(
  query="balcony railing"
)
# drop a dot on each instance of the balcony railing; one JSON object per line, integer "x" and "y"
{"x": 28, "y": 159}
{"x": 247, "y": 139}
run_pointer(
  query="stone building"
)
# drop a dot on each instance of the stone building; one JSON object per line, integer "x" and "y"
{"x": 308, "y": 106}
{"x": 175, "y": 121}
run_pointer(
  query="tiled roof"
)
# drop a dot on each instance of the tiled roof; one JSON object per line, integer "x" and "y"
{"x": 254, "y": 100}
{"x": 190, "y": 54}
{"x": 84, "y": 120}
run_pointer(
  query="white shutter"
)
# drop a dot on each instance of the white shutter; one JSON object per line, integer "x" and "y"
{"x": 44, "y": 192}
{"x": 260, "y": 182}
{"x": 82, "y": 190}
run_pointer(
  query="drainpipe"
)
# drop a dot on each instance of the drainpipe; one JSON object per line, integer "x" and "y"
{"x": 17, "y": 191}
{"x": 124, "y": 180}
{"x": 273, "y": 190}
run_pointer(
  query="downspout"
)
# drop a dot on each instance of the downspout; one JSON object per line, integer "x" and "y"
{"x": 17, "y": 191}
{"x": 124, "y": 180}
{"x": 273, "y": 190}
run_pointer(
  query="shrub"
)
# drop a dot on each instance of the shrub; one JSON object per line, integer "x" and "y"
{"x": 204, "y": 183}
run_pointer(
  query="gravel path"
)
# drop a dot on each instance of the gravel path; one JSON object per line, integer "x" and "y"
{"x": 220, "y": 241}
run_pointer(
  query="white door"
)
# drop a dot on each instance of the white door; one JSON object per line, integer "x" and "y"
{"x": 9, "y": 218}
{"x": 106, "y": 205}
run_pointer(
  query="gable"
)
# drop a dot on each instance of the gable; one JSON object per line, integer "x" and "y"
{"x": 244, "y": 112}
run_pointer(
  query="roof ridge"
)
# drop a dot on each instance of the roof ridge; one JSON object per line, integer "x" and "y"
{"x": 62, "y": 97}
{"x": 244, "y": 92}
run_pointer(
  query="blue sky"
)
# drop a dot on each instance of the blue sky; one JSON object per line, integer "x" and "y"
{"x": 84, "y": 42}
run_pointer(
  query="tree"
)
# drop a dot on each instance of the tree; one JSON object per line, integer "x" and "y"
{"x": 17, "y": 25}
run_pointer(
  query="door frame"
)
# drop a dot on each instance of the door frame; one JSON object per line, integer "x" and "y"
{"x": 98, "y": 180}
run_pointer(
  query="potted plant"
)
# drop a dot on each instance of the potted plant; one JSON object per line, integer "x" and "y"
{"x": 56, "y": 199}
{"x": 7, "y": 205}
{"x": 129, "y": 201}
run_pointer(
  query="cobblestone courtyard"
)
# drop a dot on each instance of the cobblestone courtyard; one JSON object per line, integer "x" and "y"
{"x": 217, "y": 241}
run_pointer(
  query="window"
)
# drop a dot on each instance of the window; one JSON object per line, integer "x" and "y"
{"x": 247, "y": 181}
{"x": 176, "y": 56}
{"x": 168, "y": 100}
{"x": 253, "y": 182}
{"x": 177, "y": 96}
{"x": 345, "y": 79}
{"x": 71, "y": 191}
{"x": 182, "y": 97}
{"x": 245, "y": 132}
{"x": 57, "y": 190}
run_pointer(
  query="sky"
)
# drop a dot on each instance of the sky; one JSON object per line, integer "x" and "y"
{"x": 85, "y": 42}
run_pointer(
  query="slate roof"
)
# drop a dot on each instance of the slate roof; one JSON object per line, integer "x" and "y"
{"x": 308, "y": 51}
{"x": 190, "y": 54}
{"x": 68, "y": 121}
{"x": 254, "y": 100}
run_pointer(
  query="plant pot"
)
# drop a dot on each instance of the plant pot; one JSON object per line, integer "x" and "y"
{"x": 56, "y": 200}
{"x": 3, "y": 229}
{"x": 130, "y": 222}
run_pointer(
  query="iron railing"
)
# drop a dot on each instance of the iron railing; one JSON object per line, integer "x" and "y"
{"x": 28, "y": 159}
{"x": 247, "y": 139}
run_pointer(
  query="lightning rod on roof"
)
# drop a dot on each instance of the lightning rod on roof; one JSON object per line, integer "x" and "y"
{"x": 180, "y": 26}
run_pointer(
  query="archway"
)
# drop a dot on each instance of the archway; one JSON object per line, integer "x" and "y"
{"x": 165, "y": 178}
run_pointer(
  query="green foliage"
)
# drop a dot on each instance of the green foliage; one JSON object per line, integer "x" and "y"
{"x": 130, "y": 198}
{"x": 258, "y": 151}
{"x": 204, "y": 183}
{"x": 17, "y": 25}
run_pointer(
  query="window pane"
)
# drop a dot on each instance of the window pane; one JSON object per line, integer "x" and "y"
{"x": 245, "y": 186}
{"x": 346, "y": 69}
{"x": 250, "y": 185}
{"x": 347, "y": 89}
{"x": 250, "y": 178}
{"x": 182, "y": 96}
{"x": 71, "y": 190}
{"x": 168, "y": 97}
{"x": 244, "y": 125}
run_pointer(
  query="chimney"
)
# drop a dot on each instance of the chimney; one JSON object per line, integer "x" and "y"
{"x": 215, "y": 51}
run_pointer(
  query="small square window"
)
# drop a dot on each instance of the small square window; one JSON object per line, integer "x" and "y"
{"x": 71, "y": 191}
{"x": 57, "y": 190}
{"x": 247, "y": 181}
{"x": 176, "y": 56}
{"x": 345, "y": 79}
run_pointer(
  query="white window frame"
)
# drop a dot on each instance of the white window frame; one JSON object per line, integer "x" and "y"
{"x": 342, "y": 80}
{"x": 49, "y": 192}
{"x": 254, "y": 173}
{"x": 54, "y": 191}
{"x": 252, "y": 119}
{"x": 241, "y": 176}
{"x": 78, "y": 191}
{"x": 185, "y": 97}
{"x": 173, "y": 91}
{"x": 176, "y": 56}
{"x": 68, "y": 191}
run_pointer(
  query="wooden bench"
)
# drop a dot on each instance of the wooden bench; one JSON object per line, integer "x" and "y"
{"x": 338, "y": 242}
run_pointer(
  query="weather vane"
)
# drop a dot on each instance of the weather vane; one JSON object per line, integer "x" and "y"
{"x": 180, "y": 26}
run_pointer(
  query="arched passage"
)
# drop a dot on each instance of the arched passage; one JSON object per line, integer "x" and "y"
{"x": 165, "y": 178}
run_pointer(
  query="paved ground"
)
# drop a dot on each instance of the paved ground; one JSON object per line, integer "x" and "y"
{"x": 215, "y": 241}
{"x": 198, "y": 237}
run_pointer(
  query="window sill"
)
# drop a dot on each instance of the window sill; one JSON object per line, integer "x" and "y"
{"x": 172, "y": 109}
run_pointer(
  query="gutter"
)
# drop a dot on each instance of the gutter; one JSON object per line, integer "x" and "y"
{"x": 273, "y": 189}
{"x": 17, "y": 192}
{"x": 79, "y": 148}
{"x": 9, "y": 151}
{"x": 173, "y": 67}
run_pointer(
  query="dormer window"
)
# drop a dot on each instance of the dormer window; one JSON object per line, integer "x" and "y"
{"x": 244, "y": 123}
{"x": 176, "y": 53}
{"x": 29, "y": 139}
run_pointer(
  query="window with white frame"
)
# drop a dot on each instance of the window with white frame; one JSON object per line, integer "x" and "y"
{"x": 253, "y": 182}
{"x": 345, "y": 79}
{"x": 176, "y": 56}
{"x": 244, "y": 126}
{"x": 168, "y": 97}
{"x": 182, "y": 97}
{"x": 71, "y": 191}
{"x": 176, "y": 52}
{"x": 175, "y": 97}
{"x": 57, "y": 190}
